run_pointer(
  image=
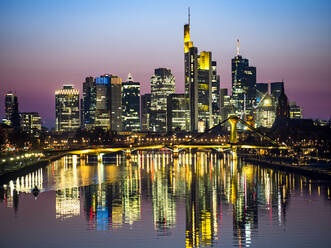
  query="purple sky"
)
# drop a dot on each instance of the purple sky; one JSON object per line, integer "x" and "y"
{"x": 44, "y": 44}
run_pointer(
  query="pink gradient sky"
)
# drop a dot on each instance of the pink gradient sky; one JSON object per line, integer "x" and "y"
{"x": 44, "y": 44}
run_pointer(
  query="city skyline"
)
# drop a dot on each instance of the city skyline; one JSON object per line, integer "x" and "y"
{"x": 23, "y": 62}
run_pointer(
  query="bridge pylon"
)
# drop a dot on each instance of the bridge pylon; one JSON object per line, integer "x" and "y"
{"x": 233, "y": 120}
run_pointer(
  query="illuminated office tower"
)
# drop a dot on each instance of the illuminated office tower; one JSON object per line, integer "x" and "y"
{"x": 225, "y": 104}
{"x": 215, "y": 95}
{"x": 276, "y": 89}
{"x": 198, "y": 82}
{"x": 130, "y": 105}
{"x": 162, "y": 85}
{"x": 205, "y": 88}
{"x": 116, "y": 103}
{"x": 145, "y": 112}
{"x": 265, "y": 111}
{"x": 11, "y": 109}
{"x": 243, "y": 84}
{"x": 88, "y": 105}
{"x": 102, "y": 118}
{"x": 31, "y": 123}
{"x": 178, "y": 113}
{"x": 295, "y": 111}
{"x": 67, "y": 109}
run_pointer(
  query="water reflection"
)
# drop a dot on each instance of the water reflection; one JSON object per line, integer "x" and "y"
{"x": 110, "y": 192}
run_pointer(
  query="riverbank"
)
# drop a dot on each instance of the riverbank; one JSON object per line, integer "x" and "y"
{"x": 317, "y": 172}
{"x": 13, "y": 170}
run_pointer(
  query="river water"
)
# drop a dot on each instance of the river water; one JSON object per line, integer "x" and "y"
{"x": 199, "y": 199}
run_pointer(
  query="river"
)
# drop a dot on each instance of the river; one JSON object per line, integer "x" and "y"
{"x": 200, "y": 199}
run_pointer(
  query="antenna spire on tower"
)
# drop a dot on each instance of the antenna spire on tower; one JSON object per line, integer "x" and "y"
{"x": 237, "y": 47}
{"x": 189, "y": 16}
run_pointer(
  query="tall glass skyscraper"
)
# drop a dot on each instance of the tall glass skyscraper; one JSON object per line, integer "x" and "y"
{"x": 88, "y": 106}
{"x": 215, "y": 95}
{"x": 67, "y": 109}
{"x": 162, "y": 85}
{"x": 116, "y": 103}
{"x": 102, "y": 118}
{"x": 130, "y": 105}
{"x": 198, "y": 82}
{"x": 145, "y": 112}
{"x": 11, "y": 109}
{"x": 243, "y": 84}
{"x": 177, "y": 113}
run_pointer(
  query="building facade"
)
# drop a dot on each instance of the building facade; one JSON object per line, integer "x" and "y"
{"x": 145, "y": 112}
{"x": 116, "y": 103}
{"x": 198, "y": 73}
{"x": 216, "y": 114}
{"x": 162, "y": 85}
{"x": 295, "y": 111}
{"x": 102, "y": 116}
{"x": 178, "y": 113}
{"x": 130, "y": 105}
{"x": 88, "y": 105}
{"x": 67, "y": 109}
{"x": 11, "y": 110}
{"x": 31, "y": 123}
{"x": 243, "y": 84}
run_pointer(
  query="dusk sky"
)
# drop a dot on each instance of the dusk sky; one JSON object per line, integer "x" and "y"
{"x": 45, "y": 44}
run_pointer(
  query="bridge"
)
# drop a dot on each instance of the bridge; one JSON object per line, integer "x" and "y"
{"x": 193, "y": 143}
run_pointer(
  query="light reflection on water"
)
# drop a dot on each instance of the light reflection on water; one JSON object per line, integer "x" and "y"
{"x": 207, "y": 187}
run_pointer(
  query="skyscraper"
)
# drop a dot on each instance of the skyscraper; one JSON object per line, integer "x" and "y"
{"x": 102, "y": 118}
{"x": 283, "y": 110}
{"x": 265, "y": 111}
{"x": 116, "y": 103}
{"x": 177, "y": 113}
{"x": 11, "y": 109}
{"x": 88, "y": 106}
{"x": 31, "y": 123}
{"x": 145, "y": 112}
{"x": 243, "y": 84}
{"x": 162, "y": 85}
{"x": 215, "y": 95}
{"x": 67, "y": 109}
{"x": 276, "y": 89}
{"x": 198, "y": 82}
{"x": 130, "y": 105}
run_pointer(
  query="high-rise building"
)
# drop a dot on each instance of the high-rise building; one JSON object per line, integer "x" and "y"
{"x": 295, "y": 111}
{"x": 276, "y": 89}
{"x": 198, "y": 82}
{"x": 31, "y": 123}
{"x": 88, "y": 106}
{"x": 145, "y": 112}
{"x": 243, "y": 84}
{"x": 178, "y": 113}
{"x": 162, "y": 85}
{"x": 102, "y": 117}
{"x": 116, "y": 103}
{"x": 282, "y": 110}
{"x": 11, "y": 109}
{"x": 225, "y": 104}
{"x": 265, "y": 112}
{"x": 205, "y": 88}
{"x": 67, "y": 109}
{"x": 130, "y": 105}
{"x": 215, "y": 95}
